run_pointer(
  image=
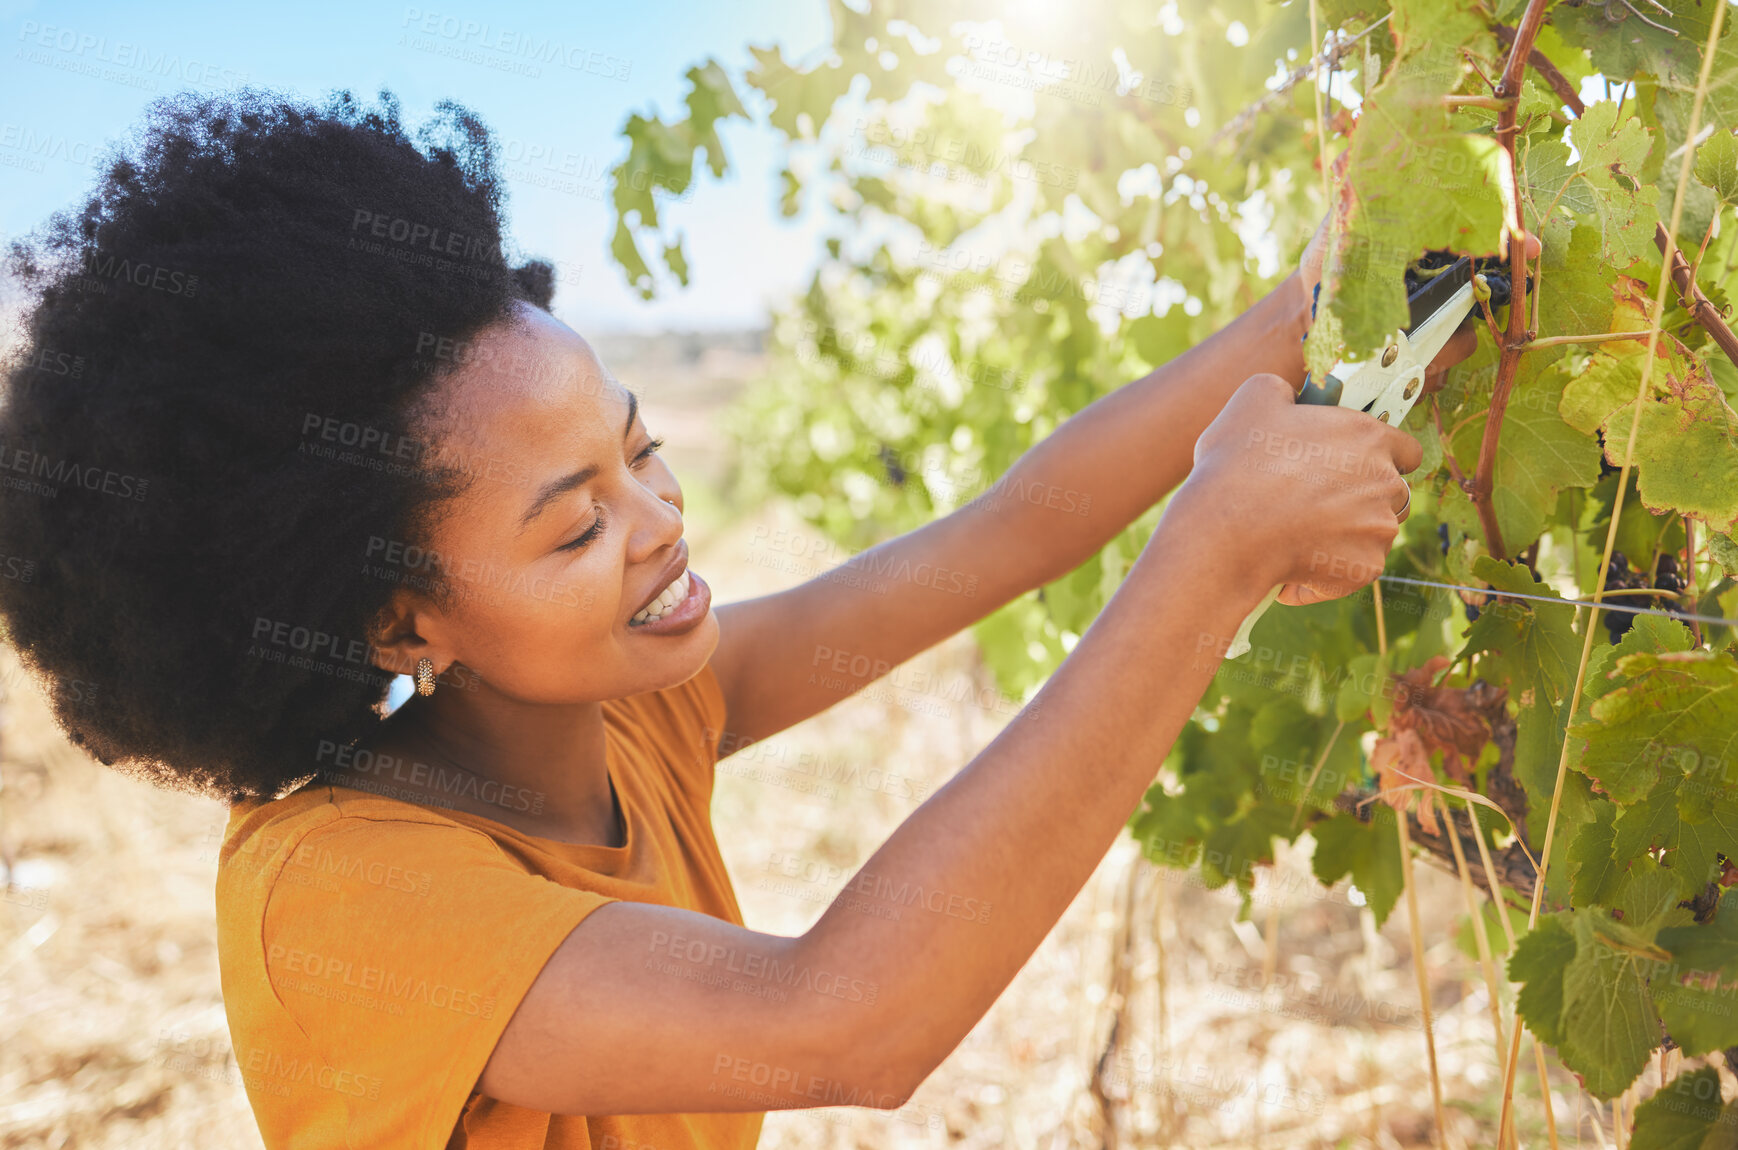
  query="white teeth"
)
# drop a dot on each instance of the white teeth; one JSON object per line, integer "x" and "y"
{"x": 659, "y": 607}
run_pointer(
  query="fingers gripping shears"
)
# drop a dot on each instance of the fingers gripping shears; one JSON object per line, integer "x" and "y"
{"x": 1388, "y": 383}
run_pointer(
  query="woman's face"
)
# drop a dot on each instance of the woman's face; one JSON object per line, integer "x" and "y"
{"x": 561, "y": 538}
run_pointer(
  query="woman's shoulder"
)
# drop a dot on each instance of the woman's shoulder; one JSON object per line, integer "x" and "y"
{"x": 325, "y": 828}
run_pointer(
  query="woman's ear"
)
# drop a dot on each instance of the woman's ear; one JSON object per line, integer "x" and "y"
{"x": 399, "y": 636}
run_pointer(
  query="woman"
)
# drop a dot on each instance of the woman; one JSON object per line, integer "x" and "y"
{"x": 326, "y": 434}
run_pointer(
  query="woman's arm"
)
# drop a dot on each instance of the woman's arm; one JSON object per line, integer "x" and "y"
{"x": 1054, "y": 509}
{"x": 649, "y": 1009}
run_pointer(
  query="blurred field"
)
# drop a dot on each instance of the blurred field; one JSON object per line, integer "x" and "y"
{"x": 1142, "y": 1021}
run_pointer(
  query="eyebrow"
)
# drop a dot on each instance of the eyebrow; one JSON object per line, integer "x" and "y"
{"x": 556, "y": 488}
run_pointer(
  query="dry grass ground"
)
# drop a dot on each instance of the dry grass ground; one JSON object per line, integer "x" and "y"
{"x": 112, "y": 1031}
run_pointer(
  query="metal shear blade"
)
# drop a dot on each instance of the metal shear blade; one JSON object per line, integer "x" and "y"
{"x": 1388, "y": 385}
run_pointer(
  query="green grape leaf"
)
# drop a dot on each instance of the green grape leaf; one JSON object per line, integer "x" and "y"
{"x": 1675, "y": 705}
{"x": 1686, "y": 443}
{"x": 1691, "y": 845}
{"x": 1699, "y": 1020}
{"x": 1596, "y": 869}
{"x": 1724, "y": 551}
{"x": 1404, "y": 140}
{"x": 1647, "y": 897}
{"x": 1360, "y": 688}
{"x": 677, "y": 260}
{"x": 627, "y": 255}
{"x": 801, "y": 100}
{"x": 711, "y": 98}
{"x": 1607, "y": 385}
{"x": 1647, "y": 635}
{"x": 1538, "y": 455}
{"x": 1717, "y": 165}
{"x": 1524, "y": 638}
{"x": 1679, "y": 75}
{"x": 1687, "y": 448}
{"x": 1609, "y": 1021}
{"x": 1369, "y": 852}
{"x": 1325, "y": 343}
{"x": 1640, "y": 532}
{"x": 1666, "y": 46}
{"x": 1541, "y": 957}
{"x": 1605, "y": 181}
{"x": 1538, "y": 750}
{"x": 1710, "y": 946}
{"x": 1218, "y": 817}
{"x": 1287, "y": 772}
{"x": 1680, "y": 1116}
{"x": 1161, "y": 338}
{"x": 1235, "y": 847}
{"x": 1575, "y": 293}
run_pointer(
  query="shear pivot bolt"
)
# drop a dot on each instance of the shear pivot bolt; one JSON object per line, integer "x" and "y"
{"x": 1389, "y": 355}
{"x": 1411, "y": 390}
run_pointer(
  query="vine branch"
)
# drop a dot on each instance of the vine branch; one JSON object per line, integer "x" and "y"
{"x": 1514, "y": 870}
{"x": 1596, "y": 337}
{"x": 1475, "y": 102}
{"x": 1558, "y": 82}
{"x": 1705, "y": 312}
{"x": 1508, "y": 90}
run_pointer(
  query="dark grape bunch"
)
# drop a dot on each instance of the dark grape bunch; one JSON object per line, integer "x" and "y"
{"x": 1666, "y": 578}
{"x": 1493, "y": 268}
{"x": 1669, "y": 578}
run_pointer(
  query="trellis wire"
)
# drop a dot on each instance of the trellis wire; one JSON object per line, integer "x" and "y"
{"x": 1603, "y": 605}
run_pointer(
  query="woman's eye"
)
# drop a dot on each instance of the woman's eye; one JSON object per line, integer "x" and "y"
{"x": 648, "y": 451}
{"x": 591, "y": 533}
{"x": 596, "y": 527}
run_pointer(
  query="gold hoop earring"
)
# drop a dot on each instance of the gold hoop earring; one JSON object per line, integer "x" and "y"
{"x": 425, "y": 676}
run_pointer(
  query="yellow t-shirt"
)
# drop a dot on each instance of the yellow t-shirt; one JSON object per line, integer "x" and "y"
{"x": 373, "y": 949}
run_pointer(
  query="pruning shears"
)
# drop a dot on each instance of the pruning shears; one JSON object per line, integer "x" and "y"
{"x": 1388, "y": 383}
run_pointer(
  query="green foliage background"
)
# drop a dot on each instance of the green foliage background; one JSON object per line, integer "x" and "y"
{"x": 1033, "y": 204}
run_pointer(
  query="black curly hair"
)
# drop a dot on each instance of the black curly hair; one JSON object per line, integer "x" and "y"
{"x": 227, "y": 352}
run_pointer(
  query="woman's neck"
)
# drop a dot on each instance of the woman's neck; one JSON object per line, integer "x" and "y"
{"x": 541, "y": 769}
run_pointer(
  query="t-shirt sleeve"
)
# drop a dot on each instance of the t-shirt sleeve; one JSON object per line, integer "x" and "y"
{"x": 401, "y": 949}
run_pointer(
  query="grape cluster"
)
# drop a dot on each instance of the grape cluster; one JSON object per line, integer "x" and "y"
{"x": 1619, "y": 577}
{"x": 1493, "y": 268}
{"x": 1418, "y": 272}
{"x": 1669, "y": 578}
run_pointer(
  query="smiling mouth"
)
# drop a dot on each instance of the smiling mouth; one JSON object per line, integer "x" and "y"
{"x": 665, "y": 602}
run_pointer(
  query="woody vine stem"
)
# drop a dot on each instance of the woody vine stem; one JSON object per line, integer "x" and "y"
{"x": 1509, "y": 92}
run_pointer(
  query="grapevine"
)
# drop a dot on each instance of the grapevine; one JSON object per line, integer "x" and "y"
{"x": 1587, "y": 452}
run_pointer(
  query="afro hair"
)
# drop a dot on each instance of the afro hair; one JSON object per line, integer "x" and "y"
{"x": 213, "y": 411}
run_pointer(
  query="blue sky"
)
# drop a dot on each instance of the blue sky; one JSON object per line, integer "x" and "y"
{"x": 76, "y": 74}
